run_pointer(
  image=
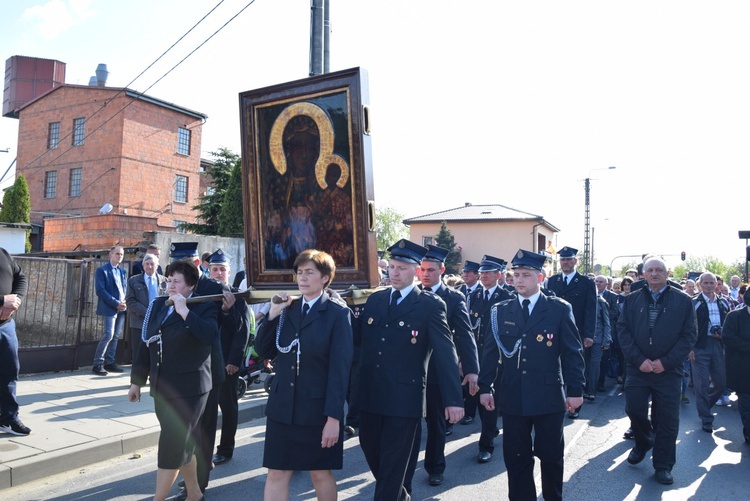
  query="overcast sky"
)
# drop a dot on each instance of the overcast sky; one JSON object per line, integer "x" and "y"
{"x": 496, "y": 102}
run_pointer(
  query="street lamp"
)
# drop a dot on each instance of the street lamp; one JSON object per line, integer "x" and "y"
{"x": 587, "y": 224}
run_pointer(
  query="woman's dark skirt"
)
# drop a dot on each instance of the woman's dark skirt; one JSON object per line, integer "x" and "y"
{"x": 180, "y": 431}
{"x": 297, "y": 447}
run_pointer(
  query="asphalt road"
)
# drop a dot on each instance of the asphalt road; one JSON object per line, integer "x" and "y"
{"x": 708, "y": 467}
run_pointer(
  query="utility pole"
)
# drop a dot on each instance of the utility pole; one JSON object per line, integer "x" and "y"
{"x": 320, "y": 37}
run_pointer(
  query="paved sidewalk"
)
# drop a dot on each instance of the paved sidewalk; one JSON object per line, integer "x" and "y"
{"x": 78, "y": 418}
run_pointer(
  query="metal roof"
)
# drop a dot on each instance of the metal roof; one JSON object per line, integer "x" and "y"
{"x": 478, "y": 213}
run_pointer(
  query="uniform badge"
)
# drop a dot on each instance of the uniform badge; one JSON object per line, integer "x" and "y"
{"x": 401, "y": 324}
{"x": 549, "y": 343}
{"x": 539, "y": 338}
{"x": 369, "y": 321}
{"x": 476, "y": 314}
{"x": 414, "y": 335}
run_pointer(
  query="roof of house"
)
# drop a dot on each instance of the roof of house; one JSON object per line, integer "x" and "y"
{"x": 470, "y": 213}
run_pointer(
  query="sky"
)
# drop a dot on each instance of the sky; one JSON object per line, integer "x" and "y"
{"x": 486, "y": 101}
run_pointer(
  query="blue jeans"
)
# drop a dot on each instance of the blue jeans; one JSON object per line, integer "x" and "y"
{"x": 105, "y": 350}
{"x": 9, "y": 368}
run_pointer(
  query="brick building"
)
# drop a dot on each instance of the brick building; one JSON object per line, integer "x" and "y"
{"x": 82, "y": 148}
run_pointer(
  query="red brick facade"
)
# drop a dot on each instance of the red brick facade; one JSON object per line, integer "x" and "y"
{"x": 128, "y": 159}
{"x": 96, "y": 232}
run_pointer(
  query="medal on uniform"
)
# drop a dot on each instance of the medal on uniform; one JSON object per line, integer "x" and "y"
{"x": 414, "y": 335}
{"x": 369, "y": 321}
{"x": 539, "y": 338}
{"x": 550, "y": 336}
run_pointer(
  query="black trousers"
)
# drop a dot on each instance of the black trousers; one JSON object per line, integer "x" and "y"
{"x": 519, "y": 450}
{"x": 489, "y": 422}
{"x": 230, "y": 411}
{"x": 387, "y": 442}
{"x": 434, "y": 452}
{"x": 662, "y": 430}
{"x": 205, "y": 451}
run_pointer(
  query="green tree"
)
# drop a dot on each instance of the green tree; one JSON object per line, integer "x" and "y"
{"x": 210, "y": 204}
{"x": 17, "y": 205}
{"x": 231, "y": 220}
{"x": 389, "y": 227}
{"x": 445, "y": 239}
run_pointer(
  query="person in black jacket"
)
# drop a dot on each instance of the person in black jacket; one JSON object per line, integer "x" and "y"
{"x": 176, "y": 356}
{"x": 311, "y": 340}
{"x": 736, "y": 335}
{"x": 657, "y": 330}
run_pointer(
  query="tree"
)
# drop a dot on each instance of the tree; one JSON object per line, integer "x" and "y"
{"x": 389, "y": 227}
{"x": 210, "y": 204}
{"x": 17, "y": 205}
{"x": 231, "y": 220}
{"x": 444, "y": 239}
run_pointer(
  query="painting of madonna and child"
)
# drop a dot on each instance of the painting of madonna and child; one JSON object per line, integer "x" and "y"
{"x": 308, "y": 179}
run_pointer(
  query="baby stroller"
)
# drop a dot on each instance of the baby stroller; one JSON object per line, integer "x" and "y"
{"x": 255, "y": 370}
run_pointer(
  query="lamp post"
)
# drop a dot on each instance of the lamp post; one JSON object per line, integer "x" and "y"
{"x": 587, "y": 223}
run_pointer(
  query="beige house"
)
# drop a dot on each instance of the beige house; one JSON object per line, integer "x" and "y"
{"x": 486, "y": 229}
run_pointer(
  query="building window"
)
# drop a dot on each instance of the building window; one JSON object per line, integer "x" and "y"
{"x": 53, "y": 140}
{"x": 179, "y": 225}
{"x": 426, "y": 241}
{"x": 75, "y": 181}
{"x": 79, "y": 131}
{"x": 181, "y": 189}
{"x": 50, "y": 184}
{"x": 183, "y": 141}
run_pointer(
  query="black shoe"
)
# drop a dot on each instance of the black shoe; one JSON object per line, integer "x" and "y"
{"x": 746, "y": 435}
{"x": 220, "y": 459}
{"x": 436, "y": 478}
{"x": 181, "y": 484}
{"x": 664, "y": 477}
{"x": 629, "y": 435}
{"x": 15, "y": 427}
{"x": 574, "y": 414}
{"x": 592, "y": 398}
{"x": 99, "y": 370}
{"x": 449, "y": 430}
{"x": 637, "y": 455}
{"x": 349, "y": 430}
{"x": 484, "y": 456}
{"x": 113, "y": 368}
{"x": 467, "y": 420}
{"x": 708, "y": 428}
{"x": 180, "y": 496}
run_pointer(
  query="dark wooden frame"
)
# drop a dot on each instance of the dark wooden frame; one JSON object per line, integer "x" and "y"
{"x": 265, "y": 115}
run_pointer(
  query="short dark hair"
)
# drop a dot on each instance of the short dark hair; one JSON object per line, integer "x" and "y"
{"x": 321, "y": 260}
{"x": 627, "y": 280}
{"x": 205, "y": 256}
{"x": 184, "y": 268}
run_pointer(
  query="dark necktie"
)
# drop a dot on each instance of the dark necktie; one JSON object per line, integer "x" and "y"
{"x": 565, "y": 281}
{"x": 305, "y": 309}
{"x": 486, "y": 295}
{"x": 526, "y": 304}
{"x": 395, "y": 297}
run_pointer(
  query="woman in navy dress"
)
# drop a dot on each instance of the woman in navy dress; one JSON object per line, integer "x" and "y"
{"x": 176, "y": 356}
{"x": 310, "y": 339}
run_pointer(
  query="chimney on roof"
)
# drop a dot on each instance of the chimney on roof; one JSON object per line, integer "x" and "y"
{"x": 467, "y": 204}
{"x": 101, "y": 75}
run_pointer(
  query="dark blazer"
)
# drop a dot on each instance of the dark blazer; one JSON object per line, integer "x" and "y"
{"x": 392, "y": 367}
{"x": 463, "y": 338}
{"x": 235, "y": 333}
{"x": 325, "y": 350}
{"x": 736, "y": 335}
{"x": 701, "y": 314}
{"x": 551, "y": 357}
{"x": 614, "y": 308}
{"x": 137, "y": 298}
{"x": 180, "y": 365}
{"x": 480, "y": 311}
{"x": 672, "y": 337}
{"x": 581, "y": 294}
{"x": 209, "y": 287}
{"x": 106, "y": 288}
{"x": 238, "y": 278}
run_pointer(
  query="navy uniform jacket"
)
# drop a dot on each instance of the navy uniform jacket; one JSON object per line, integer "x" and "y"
{"x": 392, "y": 368}
{"x": 581, "y": 294}
{"x": 325, "y": 344}
{"x": 209, "y": 287}
{"x": 481, "y": 309}
{"x": 463, "y": 339}
{"x": 234, "y": 329}
{"x": 551, "y": 357}
{"x": 181, "y": 365}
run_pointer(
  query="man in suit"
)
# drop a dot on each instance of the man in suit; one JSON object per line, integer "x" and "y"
{"x": 580, "y": 291}
{"x": 537, "y": 343}
{"x": 154, "y": 250}
{"x": 111, "y": 285}
{"x": 482, "y": 301}
{"x": 240, "y": 276}
{"x": 396, "y": 331}
{"x": 430, "y": 271}
{"x": 142, "y": 289}
{"x": 601, "y": 282}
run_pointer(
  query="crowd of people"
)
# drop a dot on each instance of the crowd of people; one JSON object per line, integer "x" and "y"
{"x": 503, "y": 339}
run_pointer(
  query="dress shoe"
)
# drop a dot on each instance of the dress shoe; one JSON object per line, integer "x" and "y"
{"x": 467, "y": 420}
{"x": 449, "y": 430}
{"x": 747, "y": 435}
{"x": 484, "y": 456}
{"x": 349, "y": 430}
{"x": 99, "y": 370}
{"x": 113, "y": 368}
{"x": 664, "y": 477}
{"x": 574, "y": 414}
{"x": 637, "y": 455}
{"x": 436, "y": 478}
{"x": 708, "y": 427}
{"x": 220, "y": 459}
{"x": 629, "y": 435}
